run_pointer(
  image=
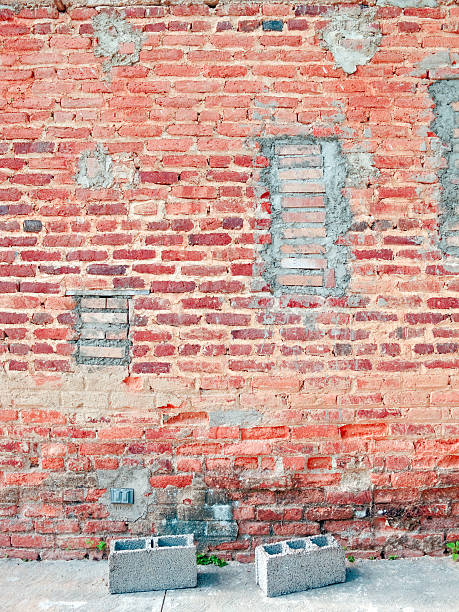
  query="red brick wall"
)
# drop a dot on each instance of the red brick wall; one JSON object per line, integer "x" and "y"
{"x": 297, "y": 413}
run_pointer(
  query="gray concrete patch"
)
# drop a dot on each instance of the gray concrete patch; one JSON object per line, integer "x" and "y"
{"x": 427, "y": 584}
{"x": 432, "y": 61}
{"x": 231, "y": 417}
{"x": 207, "y": 513}
{"x": 351, "y": 37}
{"x": 116, "y": 40}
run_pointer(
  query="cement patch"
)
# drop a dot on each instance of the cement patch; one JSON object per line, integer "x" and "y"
{"x": 95, "y": 169}
{"x": 360, "y": 169}
{"x": 351, "y": 37}
{"x": 208, "y": 513}
{"x": 126, "y": 476}
{"x": 116, "y": 40}
{"x": 444, "y": 94}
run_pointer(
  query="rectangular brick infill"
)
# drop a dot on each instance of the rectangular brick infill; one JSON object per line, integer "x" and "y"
{"x": 299, "y": 564}
{"x": 300, "y": 173}
{"x": 152, "y": 564}
{"x": 299, "y": 216}
{"x": 302, "y": 248}
{"x": 305, "y": 178}
{"x": 302, "y": 187}
{"x": 105, "y": 352}
{"x": 103, "y": 328}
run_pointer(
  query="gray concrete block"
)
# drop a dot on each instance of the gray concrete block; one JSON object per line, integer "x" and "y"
{"x": 299, "y": 564}
{"x": 152, "y": 564}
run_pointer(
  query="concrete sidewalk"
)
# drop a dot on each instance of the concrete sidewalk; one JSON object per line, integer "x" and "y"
{"x": 411, "y": 585}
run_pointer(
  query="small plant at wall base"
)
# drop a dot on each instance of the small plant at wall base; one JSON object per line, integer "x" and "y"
{"x": 100, "y": 545}
{"x": 454, "y": 548}
{"x": 202, "y": 559}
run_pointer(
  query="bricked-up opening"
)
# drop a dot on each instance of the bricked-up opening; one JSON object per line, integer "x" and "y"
{"x": 102, "y": 327}
{"x": 446, "y": 126}
{"x": 305, "y": 178}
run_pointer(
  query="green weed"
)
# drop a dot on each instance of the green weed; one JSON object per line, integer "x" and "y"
{"x": 202, "y": 559}
{"x": 454, "y": 548}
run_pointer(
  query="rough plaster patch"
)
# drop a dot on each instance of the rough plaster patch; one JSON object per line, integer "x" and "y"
{"x": 117, "y": 40}
{"x": 351, "y": 37}
{"x": 439, "y": 61}
{"x": 355, "y": 481}
{"x": 340, "y": 114}
{"x": 99, "y": 170}
{"x": 444, "y": 93}
{"x": 126, "y": 477}
{"x": 360, "y": 169}
{"x": 95, "y": 169}
{"x": 125, "y": 170}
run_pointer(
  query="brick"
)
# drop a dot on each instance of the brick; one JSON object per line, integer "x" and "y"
{"x": 300, "y": 280}
{"x": 301, "y": 375}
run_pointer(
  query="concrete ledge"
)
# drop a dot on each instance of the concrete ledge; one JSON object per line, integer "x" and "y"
{"x": 152, "y": 564}
{"x": 300, "y": 564}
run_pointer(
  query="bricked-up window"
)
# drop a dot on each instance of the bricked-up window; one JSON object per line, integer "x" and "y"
{"x": 305, "y": 179}
{"x": 446, "y": 126}
{"x": 102, "y": 327}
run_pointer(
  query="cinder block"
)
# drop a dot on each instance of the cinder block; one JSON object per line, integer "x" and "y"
{"x": 299, "y": 564}
{"x": 152, "y": 564}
